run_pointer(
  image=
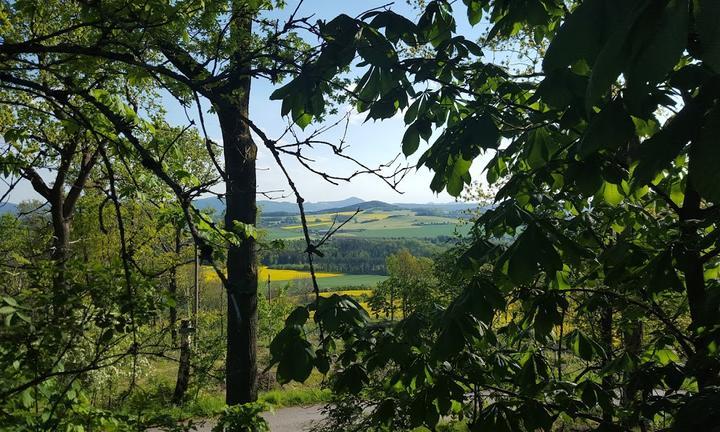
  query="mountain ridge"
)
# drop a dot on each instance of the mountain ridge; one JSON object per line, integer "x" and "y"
{"x": 290, "y": 208}
{"x": 269, "y": 207}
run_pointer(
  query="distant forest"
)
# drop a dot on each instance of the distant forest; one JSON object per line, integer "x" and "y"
{"x": 353, "y": 255}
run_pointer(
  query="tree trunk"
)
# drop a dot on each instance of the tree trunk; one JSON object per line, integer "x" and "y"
{"x": 60, "y": 250}
{"x": 183, "y": 376}
{"x": 692, "y": 266}
{"x": 632, "y": 340}
{"x": 392, "y": 302}
{"x": 173, "y": 288}
{"x": 606, "y": 321}
{"x": 240, "y": 153}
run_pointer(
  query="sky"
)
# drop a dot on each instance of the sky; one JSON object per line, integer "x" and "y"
{"x": 372, "y": 143}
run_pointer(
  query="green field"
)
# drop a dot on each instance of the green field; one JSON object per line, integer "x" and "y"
{"x": 330, "y": 283}
{"x": 371, "y": 224}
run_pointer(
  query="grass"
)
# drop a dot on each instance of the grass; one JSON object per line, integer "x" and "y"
{"x": 350, "y": 280}
{"x": 418, "y": 231}
{"x": 330, "y": 283}
{"x": 295, "y": 397}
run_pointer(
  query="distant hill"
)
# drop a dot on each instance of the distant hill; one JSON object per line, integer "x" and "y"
{"x": 282, "y": 208}
{"x": 286, "y": 208}
{"x": 448, "y": 207}
{"x": 8, "y": 208}
{"x": 363, "y": 205}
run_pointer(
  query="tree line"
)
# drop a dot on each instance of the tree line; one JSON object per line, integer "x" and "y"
{"x": 352, "y": 255}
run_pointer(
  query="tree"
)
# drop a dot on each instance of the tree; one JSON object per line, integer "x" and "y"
{"x": 41, "y": 136}
{"x": 198, "y": 52}
{"x": 609, "y": 207}
{"x": 410, "y": 284}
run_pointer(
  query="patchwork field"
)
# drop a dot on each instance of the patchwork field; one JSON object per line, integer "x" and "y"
{"x": 368, "y": 224}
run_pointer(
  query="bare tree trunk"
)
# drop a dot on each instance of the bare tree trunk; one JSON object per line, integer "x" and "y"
{"x": 173, "y": 288}
{"x": 240, "y": 153}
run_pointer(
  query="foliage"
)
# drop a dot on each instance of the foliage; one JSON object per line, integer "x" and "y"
{"x": 589, "y": 291}
{"x": 409, "y": 286}
{"x": 272, "y": 313}
{"x": 242, "y": 418}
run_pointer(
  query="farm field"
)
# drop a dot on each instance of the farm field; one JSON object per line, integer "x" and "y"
{"x": 300, "y": 280}
{"x": 370, "y": 224}
{"x": 276, "y": 275}
{"x": 333, "y": 283}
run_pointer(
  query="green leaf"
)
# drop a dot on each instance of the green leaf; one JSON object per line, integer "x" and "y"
{"x": 303, "y": 120}
{"x": 561, "y": 88}
{"x": 706, "y": 21}
{"x": 338, "y": 311}
{"x": 689, "y": 77}
{"x": 586, "y": 176}
{"x": 539, "y": 148}
{"x": 322, "y": 362}
{"x": 293, "y": 354}
{"x": 615, "y": 54}
{"x": 528, "y": 253}
{"x": 662, "y": 274}
{"x": 667, "y": 40}
{"x": 450, "y": 341}
{"x": 244, "y": 230}
{"x": 411, "y": 140}
{"x": 298, "y": 316}
{"x": 579, "y": 37}
{"x": 609, "y": 130}
{"x": 611, "y": 194}
{"x": 474, "y": 11}
{"x": 582, "y": 346}
{"x": 497, "y": 417}
{"x": 483, "y": 131}
{"x": 657, "y": 152}
{"x": 459, "y": 176}
{"x": 705, "y": 158}
{"x": 11, "y": 301}
{"x": 351, "y": 380}
{"x": 536, "y": 417}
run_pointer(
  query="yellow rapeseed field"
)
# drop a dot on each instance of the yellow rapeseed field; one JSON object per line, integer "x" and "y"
{"x": 209, "y": 275}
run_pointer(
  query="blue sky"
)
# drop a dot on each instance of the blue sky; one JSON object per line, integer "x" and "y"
{"x": 373, "y": 143}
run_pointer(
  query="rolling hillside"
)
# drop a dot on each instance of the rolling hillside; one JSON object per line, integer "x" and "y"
{"x": 386, "y": 222}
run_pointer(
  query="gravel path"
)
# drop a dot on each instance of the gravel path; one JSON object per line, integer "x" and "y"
{"x": 293, "y": 419}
